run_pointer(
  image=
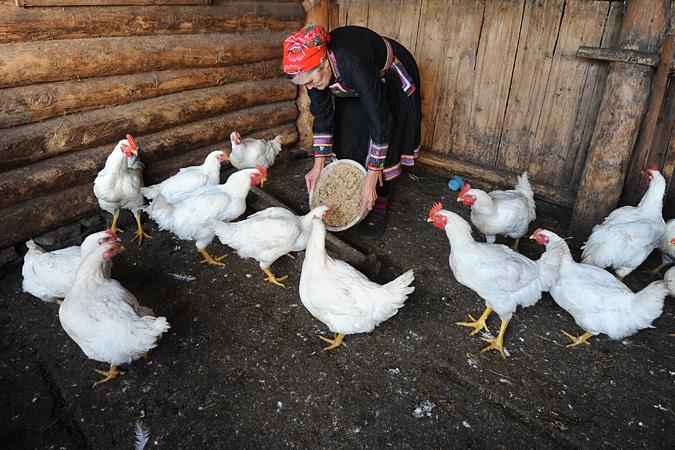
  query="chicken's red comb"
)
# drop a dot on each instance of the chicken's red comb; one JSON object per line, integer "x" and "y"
{"x": 464, "y": 189}
{"x": 132, "y": 142}
{"x": 262, "y": 170}
{"x": 653, "y": 166}
{"x": 537, "y": 231}
{"x": 435, "y": 209}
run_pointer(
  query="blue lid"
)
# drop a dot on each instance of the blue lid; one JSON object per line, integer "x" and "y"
{"x": 455, "y": 183}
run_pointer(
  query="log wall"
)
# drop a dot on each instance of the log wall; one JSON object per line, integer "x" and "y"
{"x": 74, "y": 80}
{"x": 503, "y": 90}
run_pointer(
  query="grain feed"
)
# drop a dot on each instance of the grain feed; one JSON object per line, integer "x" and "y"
{"x": 340, "y": 190}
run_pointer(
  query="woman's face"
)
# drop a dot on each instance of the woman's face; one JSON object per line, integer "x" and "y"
{"x": 318, "y": 78}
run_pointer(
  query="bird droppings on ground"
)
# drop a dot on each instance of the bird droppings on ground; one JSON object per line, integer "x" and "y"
{"x": 240, "y": 360}
{"x": 182, "y": 277}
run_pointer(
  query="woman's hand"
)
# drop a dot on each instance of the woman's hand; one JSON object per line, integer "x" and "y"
{"x": 313, "y": 175}
{"x": 369, "y": 192}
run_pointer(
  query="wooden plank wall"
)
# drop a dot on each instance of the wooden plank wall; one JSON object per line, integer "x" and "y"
{"x": 502, "y": 91}
{"x": 75, "y": 80}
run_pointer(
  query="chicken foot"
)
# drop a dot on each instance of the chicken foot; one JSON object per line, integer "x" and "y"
{"x": 210, "y": 259}
{"x": 477, "y": 324}
{"x": 334, "y": 343}
{"x": 498, "y": 342}
{"x": 140, "y": 234}
{"x": 273, "y": 278}
{"x": 108, "y": 374}
{"x": 577, "y": 340}
{"x": 113, "y": 227}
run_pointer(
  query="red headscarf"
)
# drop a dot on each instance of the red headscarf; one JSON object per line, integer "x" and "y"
{"x": 304, "y": 49}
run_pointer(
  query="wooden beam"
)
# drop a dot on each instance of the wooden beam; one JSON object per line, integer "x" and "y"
{"x": 469, "y": 171}
{"x": 33, "y": 142}
{"x": 28, "y": 104}
{"x": 33, "y": 24}
{"x": 44, "y": 61}
{"x": 34, "y": 217}
{"x": 622, "y": 109}
{"x": 43, "y": 3}
{"x": 74, "y": 168}
{"x": 42, "y": 214}
{"x": 646, "y": 150}
{"x": 619, "y": 55}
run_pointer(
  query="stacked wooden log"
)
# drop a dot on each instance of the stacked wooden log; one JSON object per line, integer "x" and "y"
{"x": 73, "y": 81}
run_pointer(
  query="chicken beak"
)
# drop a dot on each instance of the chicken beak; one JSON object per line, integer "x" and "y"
{"x": 460, "y": 199}
{"x": 532, "y": 236}
{"x": 262, "y": 182}
{"x": 121, "y": 248}
{"x": 671, "y": 243}
{"x": 430, "y": 220}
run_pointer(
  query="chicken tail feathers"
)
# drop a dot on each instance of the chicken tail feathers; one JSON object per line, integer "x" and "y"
{"x": 523, "y": 186}
{"x": 400, "y": 287}
{"x": 149, "y": 192}
{"x": 160, "y": 211}
{"x": 222, "y": 230}
{"x": 141, "y": 435}
{"x": 648, "y": 304}
{"x": 32, "y": 246}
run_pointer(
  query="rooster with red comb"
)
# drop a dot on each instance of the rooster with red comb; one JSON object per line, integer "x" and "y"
{"x": 629, "y": 234}
{"x": 118, "y": 185}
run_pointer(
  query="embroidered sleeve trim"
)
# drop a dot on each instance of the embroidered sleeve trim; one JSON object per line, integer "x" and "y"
{"x": 323, "y": 145}
{"x": 377, "y": 153}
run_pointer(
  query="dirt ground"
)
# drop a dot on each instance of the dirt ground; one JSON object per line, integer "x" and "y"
{"x": 242, "y": 366}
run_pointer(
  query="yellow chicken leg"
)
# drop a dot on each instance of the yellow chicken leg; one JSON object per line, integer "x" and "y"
{"x": 210, "y": 259}
{"x": 108, "y": 374}
{"x": 273, "y": 278}
{"x": 477, "y": 324}
{"x": 498, "y": 342}
{"x": 334, "y": 343}
{"x": 140, "y": 234}
{"x": 116, "y": 216}
{"x": 577, "y": 340}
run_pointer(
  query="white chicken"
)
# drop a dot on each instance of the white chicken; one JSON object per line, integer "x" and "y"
{"x": 341, "y": 296}
{"x": 507, "y": 213}
{"x": 118, "y": 185}
{"x": 669, "y": 278}
{"x": 502, "y": 277}
{"x": 629, "y": 234}
{"x": 247, "y": 153}
{"x": 598, "y": 302}
{"x": 267, "y": 235}
{"x": 49, "y": 275}
{"x": 667, "y": 247}
{"x": 188, "y": 179}
{"x": 189, "y": 217}
{"x": 105, "y": 319}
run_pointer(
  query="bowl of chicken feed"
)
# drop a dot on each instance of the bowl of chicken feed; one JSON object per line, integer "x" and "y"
{"x": 339, "y": 188}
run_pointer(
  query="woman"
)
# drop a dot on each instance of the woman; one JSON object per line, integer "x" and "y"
{"x": 365, "y": 99}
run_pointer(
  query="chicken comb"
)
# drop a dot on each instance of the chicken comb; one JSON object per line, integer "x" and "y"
{"x": 464, "y": 189}
{"x": 111, "y": 232}
{"x": 132, "y": 142}
{"x": 653, "y": 166}
{"x": 435, "y": 209}
{"x": 537, "y": 231}
{"x": 262, "y": 170}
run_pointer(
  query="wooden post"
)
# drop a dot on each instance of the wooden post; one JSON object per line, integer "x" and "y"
{"x": 317, "y": 13}
{"x": 621, "y": 113}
